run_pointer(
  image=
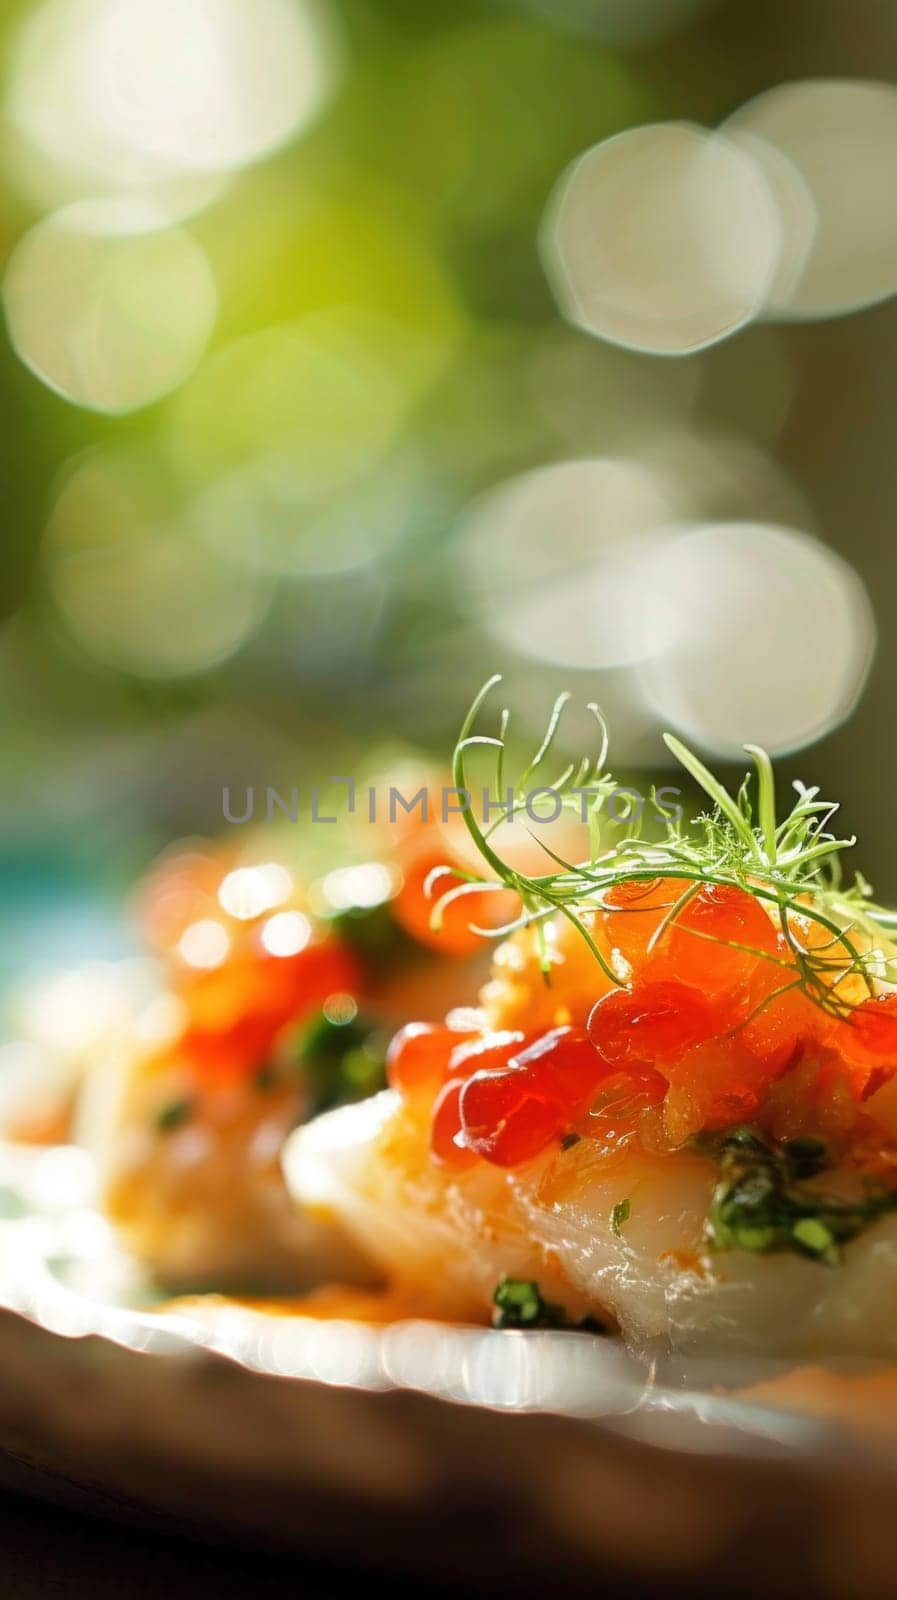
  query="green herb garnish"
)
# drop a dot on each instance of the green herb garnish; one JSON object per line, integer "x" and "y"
{"x": 341, "y": 1059}
{"x": 174, "y": 1115}
{"x": 792, "y": 866}
{"x": 378, "y": 938}
{"x": 765, "y": 1201}
{"x": 619, "y": 1215}
{"x": 519, "y": 1304}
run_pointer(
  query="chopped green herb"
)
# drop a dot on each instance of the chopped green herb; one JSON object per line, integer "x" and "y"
{"x": 340, "y": 1060}
{"x": 519, "y": 1304}
{"x": 764, "y": 1200}
{"x": 812, "y": 1235}
{"x": 378, "y": 938}
{"x": 807, "y": 1156}
{"x": 569, "y": 1140}
{"x": 619, "y": 1215}
{"x": 174, "y": 1115}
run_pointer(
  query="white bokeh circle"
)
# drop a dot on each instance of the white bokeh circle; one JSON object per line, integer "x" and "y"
{"x": 106, "y": 308}
{"x": 550, "y": 560}
{"x": 131, "y": 91}
{"x": 769, "y": 637}
{"x": 664, "y": 238}
{"x": 840, "y": 138}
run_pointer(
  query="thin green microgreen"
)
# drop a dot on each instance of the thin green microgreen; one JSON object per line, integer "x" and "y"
{"x": 793, "y": 866}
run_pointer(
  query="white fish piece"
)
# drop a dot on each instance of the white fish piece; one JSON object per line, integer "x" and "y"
{"x": 450, "y": 1235}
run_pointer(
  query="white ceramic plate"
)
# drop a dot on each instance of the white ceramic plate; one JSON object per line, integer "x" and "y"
{"x": 444, "y": 1452}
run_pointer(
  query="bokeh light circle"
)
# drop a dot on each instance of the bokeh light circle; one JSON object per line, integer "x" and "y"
{"x": 798, "y": 214}
{"x": 130, "y": 90}
{"x": 768, "y": 637}
{"x": 133, "y": 586}
{"x": 47, "y": 183}
{"x": 550, "y": 560}
{"x": 840, "y": 137}
{"x": 108, "y": 308}
{"x": 664, "y": 238}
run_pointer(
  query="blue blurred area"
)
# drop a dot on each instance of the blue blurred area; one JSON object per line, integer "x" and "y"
{"x": 54, "y": 914}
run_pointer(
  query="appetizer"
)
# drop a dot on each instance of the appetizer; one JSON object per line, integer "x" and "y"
{"x": 275, "y": 1004}
{"x": 255, "y": 1027}
{"x": 674, "y": 1111}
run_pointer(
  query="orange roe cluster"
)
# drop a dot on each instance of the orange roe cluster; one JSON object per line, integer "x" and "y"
{"x": 712, "y": 1017}
{"x": 243, "y": 953}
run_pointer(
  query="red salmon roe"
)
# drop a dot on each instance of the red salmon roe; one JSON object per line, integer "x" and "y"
{"x": 720, "y": 1081}
{"x": 509, "y": 1115}
{"x": 874, "y": 1025}
{"x": 446, "y": 1130}
{"x": 699, "y": 944}
{"x": 715, "y": 1014}
{"x": 703, "y": 1047}
{"x": 419, "y": 1055}
{"x": 653, "y": 1022}
{"x": 484, "y": 1053}
{"x": 777, "y": 1031}
{"x": 632, "y": 913}
{"x": 235, "y": 1013}
{"x": 867, "y": 1043}
{"x": 704, "y": 936}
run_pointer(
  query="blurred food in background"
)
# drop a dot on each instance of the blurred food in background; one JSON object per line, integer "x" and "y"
{"x": 255, "y": 1026}
{"x": 264, "y": 997}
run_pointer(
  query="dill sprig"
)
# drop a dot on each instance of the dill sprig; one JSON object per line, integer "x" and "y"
{"x": 794, "y": 866}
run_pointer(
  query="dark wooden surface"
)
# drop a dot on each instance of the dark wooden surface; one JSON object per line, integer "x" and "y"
{"x": 49, "y": 1551}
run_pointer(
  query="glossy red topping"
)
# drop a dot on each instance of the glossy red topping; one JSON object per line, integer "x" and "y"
{"x": 715, "y": 1013}
{"x": 866, "y": 1042}
{"x": 874, "y": 1027}
{"x": 509, "y": 1115}
{"x": 708, "y": 942}
{"x": 446, "y": 1135}
{"x": 718, "y": 1057}
{"x": 652, "y": 1022}
{"x": 484, "y": 1053}
{"x": 242, "y": 954}
{"x": 236, "y": 1013}
{"x": 419, "y": 1055}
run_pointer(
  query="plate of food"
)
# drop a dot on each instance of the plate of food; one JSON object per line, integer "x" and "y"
{"x": 576, "y": 1261}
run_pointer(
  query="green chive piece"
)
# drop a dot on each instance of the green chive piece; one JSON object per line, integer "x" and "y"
{"x": 764, "y": 1202}
{"x": 519, "y": 1304}
{"x": 814, "y": 1236}
{"x": 174, "y": 1115}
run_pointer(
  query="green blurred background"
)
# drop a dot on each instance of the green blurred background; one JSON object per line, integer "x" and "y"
{"x": 176, "y": 616}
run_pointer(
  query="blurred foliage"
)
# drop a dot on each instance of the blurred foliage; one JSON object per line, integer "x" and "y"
{"x": 387, "y": 347}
